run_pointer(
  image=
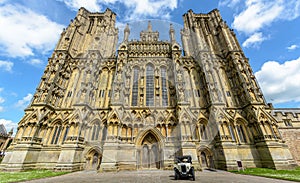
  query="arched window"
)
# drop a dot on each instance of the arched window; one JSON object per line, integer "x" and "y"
{"x": 135, "y": 87}
{"x": 149, "y": 85}
{"x": 241, "y": 133}
{"x": 164, "y": 87}
{"x": 66, "y": 133}
{"x": 203, "y": 131}
{"x": 231, "y": 130}
{"x": 56, "y": 134}
{"x": 104, "y": 133}
{"x": 272, "y": 130}
{"x": 103, "y": 81}
{"x": 96, "y": 130}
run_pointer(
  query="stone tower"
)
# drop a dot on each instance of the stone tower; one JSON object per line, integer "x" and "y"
{"x": 141, "y": 106}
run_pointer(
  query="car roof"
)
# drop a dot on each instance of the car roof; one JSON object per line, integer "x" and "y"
{"x": 186, "y": 156}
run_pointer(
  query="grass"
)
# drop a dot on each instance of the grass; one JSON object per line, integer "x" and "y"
{"x": 27, "y": 175}
{"x": 293, "y": 175}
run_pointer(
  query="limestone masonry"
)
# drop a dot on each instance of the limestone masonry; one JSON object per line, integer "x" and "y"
{"x": 106, "y": 106}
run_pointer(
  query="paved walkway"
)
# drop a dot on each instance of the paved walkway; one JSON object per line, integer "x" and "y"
{"x": 155, "y": 176}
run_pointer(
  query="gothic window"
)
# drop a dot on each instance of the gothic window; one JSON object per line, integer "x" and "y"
{"x": 149, "y": 86}
{"x": 272, "y": 130}
{"x": 203, "y": 131}
{"x": 241, "y": 133}
{"x": 93, "y": 133}
{"x": 288, "y": 123}
{"x": 135, "y": 86}
{"x": 56, "y": 134}
{"x": 103, "y": 81}
{"x": 96, "y": 130}
{"x": 164, "y": 87}
{"x": 66, "y": 133}
{"x": 104, "y": 133}
{"x": 90, "y": 26}
{"x": 232, "y": 132}
{"x": 207, "y": 27}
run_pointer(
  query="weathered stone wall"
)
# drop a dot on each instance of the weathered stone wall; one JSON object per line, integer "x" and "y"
{"x": 289, "y": 127}
{"x": 292, "y": 138}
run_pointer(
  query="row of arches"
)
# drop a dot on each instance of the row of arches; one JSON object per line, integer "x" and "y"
{"x": 241, "y": 132}
{"x": 58, "y": 132}
{"x": 238, "y": 131}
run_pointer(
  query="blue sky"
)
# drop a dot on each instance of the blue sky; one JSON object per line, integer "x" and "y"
{"x": 268, "y": 32}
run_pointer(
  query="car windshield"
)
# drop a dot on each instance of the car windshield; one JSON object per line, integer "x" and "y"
{"x": 184, "y": 159}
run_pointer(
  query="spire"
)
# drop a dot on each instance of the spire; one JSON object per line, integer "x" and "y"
{"x": 126, "y": 33}
{"x": 172, "y": 34}
{"x": 149, "y": 35}
{"x": 149, "y": 26}
{"x": 127, "y": 28}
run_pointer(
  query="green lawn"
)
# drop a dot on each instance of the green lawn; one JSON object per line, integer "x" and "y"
{"x": 27, "y": 175}
{"x": 293, "y": 175}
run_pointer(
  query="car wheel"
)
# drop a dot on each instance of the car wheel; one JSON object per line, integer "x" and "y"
{"x": 177, "y": 176}
{"x": 193, "y": 175}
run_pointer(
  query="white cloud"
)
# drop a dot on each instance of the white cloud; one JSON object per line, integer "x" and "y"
{"x": 280, "y": 82}
{"x": 292, "y": 47}
{"x": 259, "y": 14}
{"x": 25, "y": 101}
{"x": 254, "y": 40}
{"x": 35, "y": 62}
{"x": 8, "y": 124}
{"x": 229, "y": 3}
{"x": 292, "y": 9}
{"x": 133, "y": 8}
{"x": 2, "y": 100}
{"x": 159, "y": 8}
{"x": 22, "y": 35}
{"x": 91, "y": 5}
{"x": 6, "y": 65}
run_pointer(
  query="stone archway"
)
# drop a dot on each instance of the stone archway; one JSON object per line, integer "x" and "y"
{"x": 206, "y": 158}
{"x": 149, "y": 152}
{"x": 203, "y": 158}
{"x": 93, "y": 159}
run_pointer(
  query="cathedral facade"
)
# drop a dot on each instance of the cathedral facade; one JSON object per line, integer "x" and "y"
{"x": 106, "y": 106}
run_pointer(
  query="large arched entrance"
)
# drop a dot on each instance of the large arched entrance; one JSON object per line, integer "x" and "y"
{"x": 149, "y": 152}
